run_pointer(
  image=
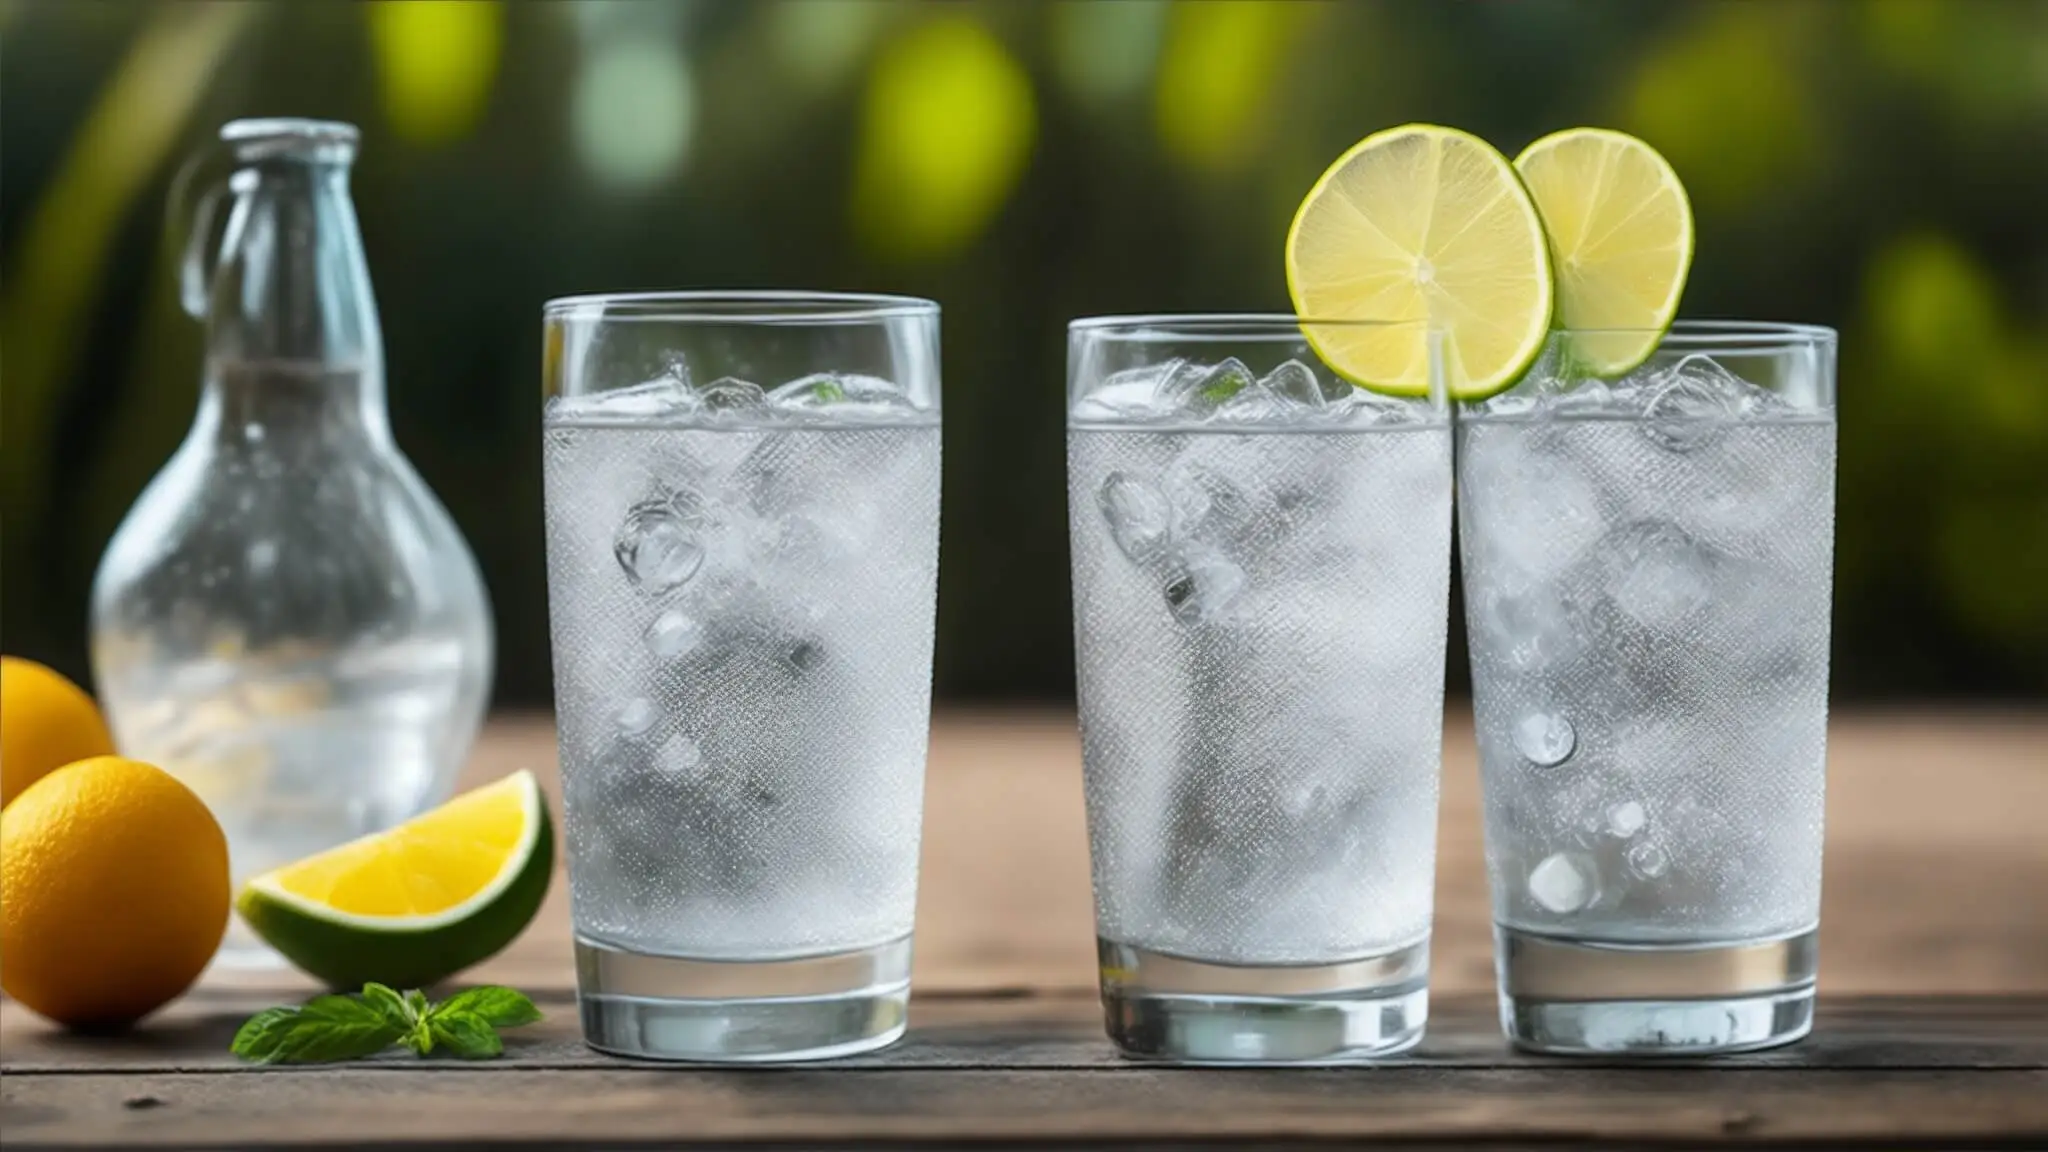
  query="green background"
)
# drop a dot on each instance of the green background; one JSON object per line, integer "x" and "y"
{"x": 1876, "y": 165}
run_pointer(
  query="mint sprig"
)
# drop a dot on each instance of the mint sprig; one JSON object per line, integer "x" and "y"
{"x": 350, "y": 1027}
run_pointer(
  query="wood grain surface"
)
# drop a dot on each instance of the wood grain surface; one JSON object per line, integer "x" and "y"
{"x": 1933, "y": 1026}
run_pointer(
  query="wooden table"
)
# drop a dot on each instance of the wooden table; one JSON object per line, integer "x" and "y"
{"x": 1932, "y": 1031}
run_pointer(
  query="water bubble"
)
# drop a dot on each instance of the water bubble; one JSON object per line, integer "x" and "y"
{"x": 1545, "y": 739}
{"x": 673, "y": 634}
{"x": 1138, "y": 513}
{"x": 1564, "y": 882}
{"x": 253, "y": 433}
{"x": 657, "y": 544}
{"x": 1626, "y": 819}
{"x": 1647, "y": 858}
{"x": 635, "y": 716}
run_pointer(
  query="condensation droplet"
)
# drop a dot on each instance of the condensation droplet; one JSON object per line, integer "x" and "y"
{"x": 1564, "y": 882}
{"x": 1545, "y": 739}
{"x": 635, "y": 716}
{"x": 1648, "y": 859}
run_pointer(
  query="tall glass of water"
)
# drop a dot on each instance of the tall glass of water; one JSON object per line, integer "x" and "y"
{"x": 1647, "y": 568}
{"x": 742, "y": 542}
{"x": 1261, "y": 563}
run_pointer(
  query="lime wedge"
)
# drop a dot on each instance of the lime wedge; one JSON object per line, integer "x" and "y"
{"x": 417, "y": 903}
{"x": 1422, "y": 223}
{"x": 1621, "y": 241}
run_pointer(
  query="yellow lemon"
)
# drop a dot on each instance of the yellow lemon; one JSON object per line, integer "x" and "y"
{"x": 115, "y": 882}
{"x": 46, "y": 722}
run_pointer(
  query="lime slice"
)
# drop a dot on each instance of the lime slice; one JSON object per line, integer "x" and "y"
{"x": 419, "y": 902}
{"x": 1621, "y": 241}
{"x": 1422, "y": 223}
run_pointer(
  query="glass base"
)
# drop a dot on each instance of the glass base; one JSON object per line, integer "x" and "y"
{"x": 1170, "y": 1008}
{"x": 806, "y": 1008}
{"x": 1584, "y": 997}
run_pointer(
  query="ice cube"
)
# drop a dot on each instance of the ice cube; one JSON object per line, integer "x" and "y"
{"x": 658, "y": 545}
{"x": 1204, "y": 587}
{"x": 1255, "y": 404}
{"x": 1657, "y": 575}
{"x": 1127, "y": 395}
{"x": 1198, "y": 390}
{"x": 1626, "y": 819}
{"x": 1139, "y": 515}
{"x": 663, "y": 396}
{"x": 847, "y": 393}
{"x": 672, "y": 634}
{"x": 1362, "y": 407}
{"x": 1692, "y": 402}
{"x": 1529, "y": 630}
{"x": 1584, "y": 398}
{"x": 1207, "y": 507}
{"x": 1565, "y": 882}
{"x": 1295, "y": 383}
{"x": 635, "y": 716}
{"x": 1534, "y": 512}
{"x": 730, "y": 394}
{"x": 1545, "y": 739}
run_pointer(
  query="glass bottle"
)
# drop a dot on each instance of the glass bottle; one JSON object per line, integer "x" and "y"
{"x": 287, "y": 619}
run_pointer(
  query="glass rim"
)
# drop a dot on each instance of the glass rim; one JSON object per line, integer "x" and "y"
{"x": 1214, "y": 325}
{"x": 739, "y": 306}
{"x": 1749, "y": 334}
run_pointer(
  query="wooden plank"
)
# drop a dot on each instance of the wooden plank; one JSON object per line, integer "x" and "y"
{"x": 1095, "y": 1107}
{"x": 1935, "y": 861}
{"x": 1063, "y": 1031}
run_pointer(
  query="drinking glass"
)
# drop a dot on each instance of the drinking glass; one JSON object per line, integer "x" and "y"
{"x": 742, "y": 542}
{"x": 1261, "y": 565}
{"x": 1646, "y": 570}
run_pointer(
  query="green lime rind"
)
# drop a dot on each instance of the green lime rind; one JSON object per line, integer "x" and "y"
{"x": 348, "y": 953}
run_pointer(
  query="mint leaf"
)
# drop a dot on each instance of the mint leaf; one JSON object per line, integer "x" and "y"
{"x": 466, "y": 1034}
{"x": 340, "y": 1009}
{"x": 327, "y": 1028}
{"x": 316, "y": 1041}
{"x": 496, "y": 1005}
{"x": 257, "y": 1038}
{"x": 338, "y": 1027}
{"x": 388, "y": 1004}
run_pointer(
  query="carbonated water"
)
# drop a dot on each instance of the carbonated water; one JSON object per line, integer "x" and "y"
{"x": 741, "y": 591}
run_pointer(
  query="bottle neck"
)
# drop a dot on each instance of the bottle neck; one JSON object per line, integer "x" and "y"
{"x": 292, "y": 339}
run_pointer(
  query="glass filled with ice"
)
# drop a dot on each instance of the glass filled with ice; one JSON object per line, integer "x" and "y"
{"x": 1261, "y": 564}
{"x": 742, "y": 497}
{"x": 1647, "y": 561}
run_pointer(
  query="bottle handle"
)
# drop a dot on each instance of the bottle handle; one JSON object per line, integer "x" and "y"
{"x": 196, "y": 266}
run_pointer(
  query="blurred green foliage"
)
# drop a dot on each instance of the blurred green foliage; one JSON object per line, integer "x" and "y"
{"x": 1881, "y": 166}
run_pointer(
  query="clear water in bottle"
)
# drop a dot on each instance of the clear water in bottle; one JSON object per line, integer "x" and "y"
{"x": 287, "y": 619}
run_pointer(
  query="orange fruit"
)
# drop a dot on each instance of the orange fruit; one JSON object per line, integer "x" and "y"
{"x": 113, "y": 892}
{"x": 46, "y": 722}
